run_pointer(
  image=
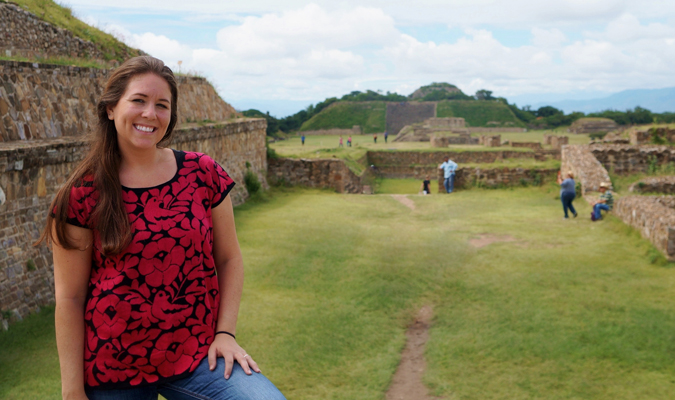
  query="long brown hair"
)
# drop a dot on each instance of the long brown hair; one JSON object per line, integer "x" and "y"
{"x": 102, "y": 163}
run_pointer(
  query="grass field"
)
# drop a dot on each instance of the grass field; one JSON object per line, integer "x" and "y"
{"x": 479, "y": 113}
{"x": 568, "y": 309}
{"x": 369, "y": 115}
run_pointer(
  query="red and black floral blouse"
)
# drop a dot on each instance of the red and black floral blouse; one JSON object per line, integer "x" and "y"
{"x": 151, "y": 311}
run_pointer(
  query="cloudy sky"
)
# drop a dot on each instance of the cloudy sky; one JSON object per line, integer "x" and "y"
{"x": 281, "y": 56}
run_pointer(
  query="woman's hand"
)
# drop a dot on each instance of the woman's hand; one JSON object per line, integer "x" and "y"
{"x": 225, "y": 346}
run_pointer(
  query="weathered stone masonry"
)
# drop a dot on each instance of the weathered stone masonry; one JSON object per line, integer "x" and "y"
{"x": 40, "y": 101}
{"x": 24, "y": 34}
{"x": 325, "y": 173}
{"x": 31, "y": 173}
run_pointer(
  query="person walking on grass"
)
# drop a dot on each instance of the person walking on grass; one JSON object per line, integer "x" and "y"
{"x": 341, "y": 144}
{"x": 567, "y": 193}
{"x": 302, "y": 139}
{"x": 606, "y": 202}
{"x": 386, "y": 136}
{"x": 449, "y": 167}
{"x": 349, "y": 141}
{"x": 375, "y": 138}
{"x": 148, "y": 273}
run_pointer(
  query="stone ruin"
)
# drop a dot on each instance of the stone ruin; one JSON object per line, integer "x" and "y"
{"x": 593, "y": 125}
{"x": 653, "y": 216}
{"x": 490, "y": 140}
{"x": 452, "y": 128}
{"x": 660, "y": 135}
{"x": 556, "y": 141}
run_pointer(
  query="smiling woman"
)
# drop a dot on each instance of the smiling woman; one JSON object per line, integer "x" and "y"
{"x": 147, "y": 267}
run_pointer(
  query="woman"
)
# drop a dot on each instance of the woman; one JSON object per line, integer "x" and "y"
{"x": 147, "y": 267}
{"x": 567, "y": 193}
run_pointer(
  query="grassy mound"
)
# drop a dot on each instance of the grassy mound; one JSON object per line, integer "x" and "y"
{"x": 479, "y": 113}
{"x": 62, "y": 17}
{"x": 344, "y": 115}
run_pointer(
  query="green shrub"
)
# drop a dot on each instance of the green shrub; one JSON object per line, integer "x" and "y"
{"x": 30, "y": 265}
{"x": 252, "y": 182}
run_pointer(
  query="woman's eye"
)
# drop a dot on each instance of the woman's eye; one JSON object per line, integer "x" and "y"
{"x": 138, "y": 101}
{"x": 162, "y": 106}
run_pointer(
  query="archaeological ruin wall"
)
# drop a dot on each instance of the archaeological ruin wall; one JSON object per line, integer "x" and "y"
{"x": 401, "y": 114}
{"x": 40, "y": 101}
{"x": 322, "y": 173}
{"x": 26, "y": 35}
{"x": 627, "y": 159}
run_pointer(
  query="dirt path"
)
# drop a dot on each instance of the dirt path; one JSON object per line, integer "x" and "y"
{"x": 407, "y": 383}
{"x": 403, "y": 199}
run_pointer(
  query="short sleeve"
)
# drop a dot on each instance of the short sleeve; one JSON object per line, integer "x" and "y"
{"x": 81, "y": 203}
{"x": 222, "y": 184}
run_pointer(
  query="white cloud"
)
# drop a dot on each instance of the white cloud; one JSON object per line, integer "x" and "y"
{"x": 316, "y": 50}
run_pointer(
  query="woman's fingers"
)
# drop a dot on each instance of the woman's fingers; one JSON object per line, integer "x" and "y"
{"x": 253, "y": 364}
{"x": 212, "y": 358}
{"x": 229, "y": 362}
{"x": 243, "y": 360}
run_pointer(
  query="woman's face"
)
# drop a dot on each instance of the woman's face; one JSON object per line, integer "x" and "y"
{"x": 143, "y": 113}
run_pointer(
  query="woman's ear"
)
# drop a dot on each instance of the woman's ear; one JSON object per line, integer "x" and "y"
{"x": 111, "y": 114}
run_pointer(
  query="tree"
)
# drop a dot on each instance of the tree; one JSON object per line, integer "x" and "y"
{"x": 548, "y": 111}
{"x": 484, "y": 95}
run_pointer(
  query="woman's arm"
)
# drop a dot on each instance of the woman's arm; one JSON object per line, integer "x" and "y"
{"x": 230, "y": 269}
{"x": 71, "y": 280}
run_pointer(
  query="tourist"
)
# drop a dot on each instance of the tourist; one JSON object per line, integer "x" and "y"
{"x": 148, "y": 273}
{"x": 605, "y": 202}
{"x": 567, "y": 193}
{"x": 349, "y": 141}
{"x": 341, "y": 145}
{"x": 449, "y": 167}
{"x": 375, "y": 138}
{"x": 302, "y": 139}
{"x": 426, "y": 186}
{"x": 386, "y": 135}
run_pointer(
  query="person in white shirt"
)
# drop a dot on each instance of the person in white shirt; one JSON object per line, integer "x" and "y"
{"x": 449, "y": 167}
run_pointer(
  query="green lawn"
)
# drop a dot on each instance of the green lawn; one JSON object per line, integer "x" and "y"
{"x": 479, "y": 113}
{"x": 570, "y": 309}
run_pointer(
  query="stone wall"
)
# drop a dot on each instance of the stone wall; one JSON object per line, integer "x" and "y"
{"x": 530, "y": 145}
{"x": 356, "y": 130}
{"x": 496, "y": 177}
{"x": 478, "y": 129}
{"x": 556, "y": 141}
{"x": 316, "y": 173}
{"x": 586, "y": 168}
{"x": 411, "y": 158}
{"x": 31, "y": 173}
{"x": 25, "y": 35}
{"x": 41, "y": 101}
{"x": 653, "y": 216}
{"x": 452, "y": 123}
{"x": 593, "y": 125}
{"x": 626, "y": 159}
{"x": 490, "y": 140}
{"x": 655, "y": 184}
{"x": 401, "y": 114}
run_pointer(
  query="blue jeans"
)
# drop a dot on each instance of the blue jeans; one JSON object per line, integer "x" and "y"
{"x": 597, "y": 208}
{"x": 202, "y": 384}
{"x": 449, "y": 183}
{"x": 567, "y": 199}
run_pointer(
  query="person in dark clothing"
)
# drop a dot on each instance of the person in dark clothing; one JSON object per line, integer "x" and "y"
{"x": 386, "y": 136}
{"x": 567, "y": 193}
{"x": 426, "y": 186}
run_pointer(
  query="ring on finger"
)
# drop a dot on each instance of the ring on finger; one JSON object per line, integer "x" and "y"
{"x": 246, "y": 355}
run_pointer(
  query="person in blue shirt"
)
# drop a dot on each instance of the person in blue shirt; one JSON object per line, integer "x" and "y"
{"x": 449, "y": 167}
{"x": 567, "y": 193}
{"x": 302, "y": 138}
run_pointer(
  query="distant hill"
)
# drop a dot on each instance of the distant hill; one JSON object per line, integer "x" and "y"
{"x": 655, "y": 100}
{"x": 370, "y": 115}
